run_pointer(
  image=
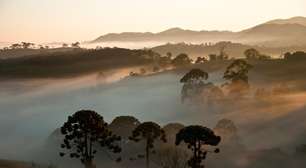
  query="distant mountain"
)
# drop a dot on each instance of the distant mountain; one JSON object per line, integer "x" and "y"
{"x": 170, "y": 35}
{"x": 294, "y": 20}
{"x": 275, "y": 33}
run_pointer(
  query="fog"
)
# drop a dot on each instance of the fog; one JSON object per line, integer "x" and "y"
{"x": 32, "y": 109}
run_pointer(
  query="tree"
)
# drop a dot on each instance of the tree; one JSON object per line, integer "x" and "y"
{"x": 164, "y": 61}
{"x": 76, "y": 45}
{"x": 169, "y": 55}
{"x": 287, "y": 55}
{"x": 83, "y": 131}
{"x": 194, "y": 76}
{"x": 149, "y": 132}
{"x": 41, "y": 47}
{"x": 298, "y": 55}
{"x": 27, "y": 45}
{"x": 228, "y": 131}
{"x": 181, "y": 60}
{"x": 237, "y": 71}
{"x": 64, "y": 45}
{"x": 254, "y": 54}
{"x": 251, "y": 53}
{"x": 223, "y": 55}
{"x": 237, "y": 74}
{"x": 196, "y": 137}
{"x": 212, "y": 57}
{"x": 193, "y": 83}
{"x": 200, "y": 60}
{"x": 123, "y": 126}
{"x": 173, "y": 157}
{"x": 16, "y": 46}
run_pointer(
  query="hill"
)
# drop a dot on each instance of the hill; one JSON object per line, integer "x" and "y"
{"x": 170, "y": 35}
{"x": 232, "y": 49}
{"x": 294, "y": 20}
{"x": 71, "y": 63}
{"x": 4, "y": 54}
{"x": 275, "y": 33}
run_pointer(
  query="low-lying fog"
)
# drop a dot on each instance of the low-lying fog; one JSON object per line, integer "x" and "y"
{"x": 32, "y": 110}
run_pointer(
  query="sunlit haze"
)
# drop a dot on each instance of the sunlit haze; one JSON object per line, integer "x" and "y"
{"x": 80, "y": 20}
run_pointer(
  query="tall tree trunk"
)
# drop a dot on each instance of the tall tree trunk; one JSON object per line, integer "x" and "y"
{"x": 147, "y": 155}
{"x": 89, "y": 164}
{"x": 195, "y": 155}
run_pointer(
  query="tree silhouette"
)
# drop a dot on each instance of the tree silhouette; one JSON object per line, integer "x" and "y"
{"x": 212, "y": 57}
{"x": 200, "y": 60}
{"x": 193, "y": 82}
{"x": 194, "y": 76}
{"x": 76, "y": 45}
{"x": 181, "y": 60}
{"x": 226, "y": 126}
{"x": 298, "y": 55}
{"x": 237, "y": 74}
{"x": 123, "y": 126}
{"x": 169, "y": 55}
{"x": 83, "y": 131}
{"x": 64, "y": 45}
{"x": 16, "y": 46}
{"x": 251, "y": 53}
{"x": 196, "y": 137}
{"x": 27, "y": 45}
{"x": 149, "y": 132}
{"x": 223, "y": 55}
{"x": 230, "y": 139}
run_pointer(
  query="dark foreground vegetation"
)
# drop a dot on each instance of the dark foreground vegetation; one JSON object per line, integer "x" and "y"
{"x": 72, "y": 63}
{"x": 85, "y": 133}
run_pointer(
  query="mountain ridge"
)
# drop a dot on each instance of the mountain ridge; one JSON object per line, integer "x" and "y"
{"x": 281, "y": 32}
{"x": 293, "y": 20}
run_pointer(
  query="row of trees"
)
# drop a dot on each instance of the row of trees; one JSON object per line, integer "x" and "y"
{"x": 28, "y": 45}
{"x": 236, "y": 76}
{"x": 298, "y": 55}
{"x": 85, "y": 131}
{"x": 24, "y": 45}
{"x": 183, "y": 59}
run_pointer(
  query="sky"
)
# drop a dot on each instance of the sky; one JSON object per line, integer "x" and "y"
{"x": 81, "y": 20}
